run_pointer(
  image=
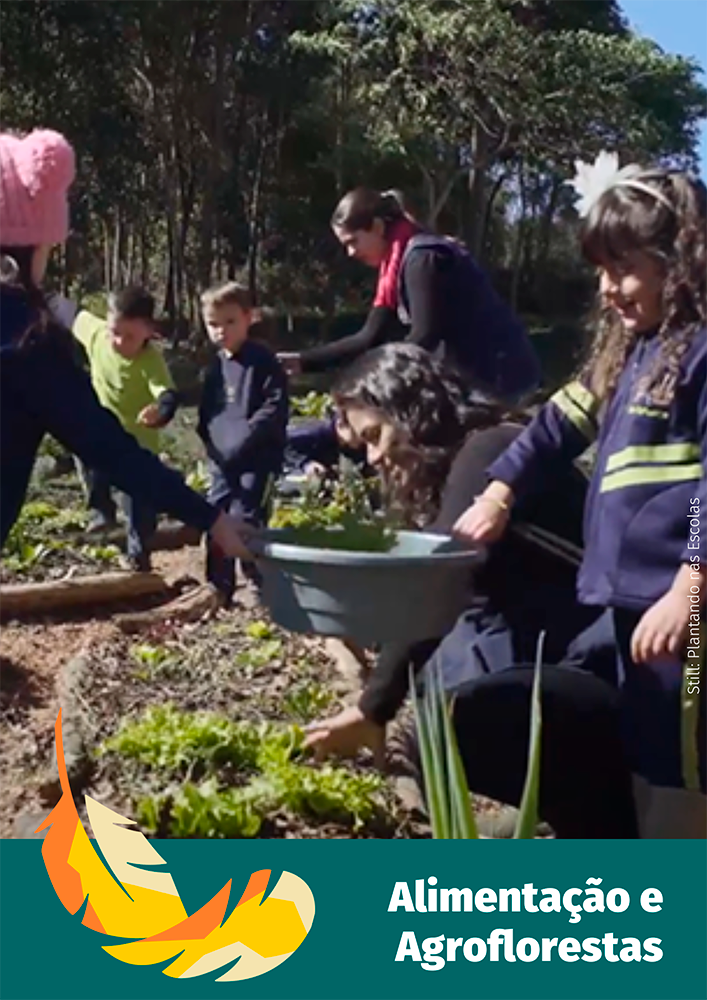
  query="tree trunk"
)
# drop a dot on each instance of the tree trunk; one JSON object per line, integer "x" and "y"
{"x": 480, "y": 149}
{"x": 519, "y": 243}
{"x": 35, "y": 599}
{"x": 254, "y": 210}
{"x": 115, "y": 267}
{"x": 190, "y": 607}
{"x": 106, "y": 255}
{"x": 545, "y": 235}
{"x": 488, "y": 214}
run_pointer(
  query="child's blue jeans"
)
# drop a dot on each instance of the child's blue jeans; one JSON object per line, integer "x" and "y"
{"x": 245, "y": 499}
{"x": 141, "y": 519}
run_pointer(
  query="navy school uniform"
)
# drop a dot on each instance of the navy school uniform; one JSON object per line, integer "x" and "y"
{"x": 455, "y": 312}
{"x": 317, "y": 441}
{"x": 649, "y": 476}
{"x": 526, "y": 586}
{"x": 312, "y": 441}
{"x": 448, "y": 306}
{"x": 243, "y": 424}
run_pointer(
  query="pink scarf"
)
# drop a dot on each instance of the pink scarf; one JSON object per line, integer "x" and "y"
{"x": 387, "y": 288}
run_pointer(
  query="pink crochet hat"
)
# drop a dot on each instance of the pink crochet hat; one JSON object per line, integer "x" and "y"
{"x": 36, "y": 172}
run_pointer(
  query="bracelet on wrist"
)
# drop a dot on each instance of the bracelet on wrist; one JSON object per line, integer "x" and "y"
{"x": 501, "y": 504}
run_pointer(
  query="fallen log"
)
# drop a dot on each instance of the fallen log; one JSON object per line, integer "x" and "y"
{"x": 21, "y": 600}
{"x": 190, "y": 607}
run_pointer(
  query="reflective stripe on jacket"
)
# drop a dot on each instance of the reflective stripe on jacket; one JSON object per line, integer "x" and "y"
{"x": 648, "y": 483}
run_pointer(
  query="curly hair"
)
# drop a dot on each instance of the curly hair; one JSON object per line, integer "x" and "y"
{"x": 627, "y": 219}
{"x": 431, "y": 407}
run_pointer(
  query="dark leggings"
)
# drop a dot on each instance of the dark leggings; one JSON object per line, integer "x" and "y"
{"x": 585, "y": 784}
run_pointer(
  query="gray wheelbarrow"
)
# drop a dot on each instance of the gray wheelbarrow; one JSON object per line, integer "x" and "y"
{"x": 415, "y": 590}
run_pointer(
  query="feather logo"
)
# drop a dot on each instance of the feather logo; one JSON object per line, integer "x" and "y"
{"x": 126, "y": 900}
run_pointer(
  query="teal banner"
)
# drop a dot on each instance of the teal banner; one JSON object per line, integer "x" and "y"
{"x": 407, "y": 919}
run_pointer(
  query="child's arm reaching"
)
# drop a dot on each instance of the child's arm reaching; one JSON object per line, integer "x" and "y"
{"x": 561, "y": 432}
{"x": 63, "y": 310}
{"x": 166, "y": 398}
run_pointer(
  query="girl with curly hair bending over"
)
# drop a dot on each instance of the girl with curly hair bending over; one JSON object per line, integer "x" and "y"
{"x": 431, "y": 445}
{"x": 643, "y": 396}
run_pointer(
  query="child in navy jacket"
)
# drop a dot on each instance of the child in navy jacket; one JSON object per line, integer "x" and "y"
{"x": 242, "y": 420}
{"x": 643, "y": 396}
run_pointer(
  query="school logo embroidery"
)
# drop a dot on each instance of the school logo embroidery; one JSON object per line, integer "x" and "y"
{"x": 648, "y": 393}
{"x": 128, "y": 901}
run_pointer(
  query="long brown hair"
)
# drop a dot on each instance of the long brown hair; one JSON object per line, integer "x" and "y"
{"x": 671, "y": 228}
{"x": 432, "y": 408}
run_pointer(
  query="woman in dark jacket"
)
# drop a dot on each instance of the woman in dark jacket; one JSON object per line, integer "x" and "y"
{"x": 432, "y": 447}
{"x": 42, "y": 389}
{"x": 431, "y": 288}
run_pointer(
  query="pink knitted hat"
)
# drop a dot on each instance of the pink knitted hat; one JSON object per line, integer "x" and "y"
{"x": 36, "y": 172}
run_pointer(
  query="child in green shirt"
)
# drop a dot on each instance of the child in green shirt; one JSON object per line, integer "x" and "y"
{"x": 131, "y": 380}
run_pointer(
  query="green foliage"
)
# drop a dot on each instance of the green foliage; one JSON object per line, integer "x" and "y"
{"x": 198, "y": 478}
{"x": 446, "y": 789}
{"x": 170, "y": 740}
{"x": 307, "y": 701}
{"x": 266, "y": 652}
{"x": 448, "y": 797}
{"x": 314, "y": 405}
{"x": 150, "y": 656}
{"x": 42, "y": 531}
{"x": 528, "y": 815}
{"x": 106, "y": 555}
{"x": 50, "y": 448}
{"x": 219, "y": 141}
{"x": 203, "y": 811}
{"x": 96, "y": 303}
{"x": 338, "y": 516}
{"x": 260, "y": 630}
{"x": 258, "y": 758}
{"x": 347, "y": 536}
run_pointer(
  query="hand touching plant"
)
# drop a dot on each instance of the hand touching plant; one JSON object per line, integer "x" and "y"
{"x": 344, "y": 734}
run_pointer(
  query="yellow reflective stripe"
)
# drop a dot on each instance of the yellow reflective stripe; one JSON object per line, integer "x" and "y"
{"x": 574, "y": 413}
{"x": 641, "y": 453}
{"x": 580, "y": 395}
{"x": 640, "y": 475}
{"x": 645, "y": 411}
{"x": 689, "y": 719}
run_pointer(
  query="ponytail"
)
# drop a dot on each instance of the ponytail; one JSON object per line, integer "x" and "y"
{"x": 361, "y": 207}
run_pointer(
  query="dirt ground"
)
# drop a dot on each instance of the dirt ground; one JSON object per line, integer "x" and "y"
{"x": 212, "y": 665}
{"x": 31, "y": 656}
{"x": 219, "y": 664}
